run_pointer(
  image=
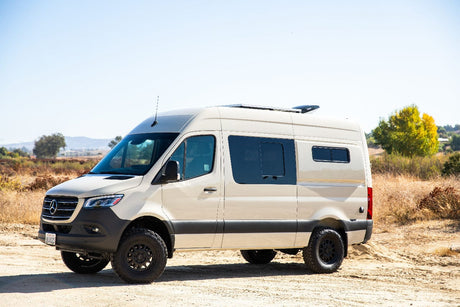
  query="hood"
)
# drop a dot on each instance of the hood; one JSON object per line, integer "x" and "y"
{"x": 95, "y": 185}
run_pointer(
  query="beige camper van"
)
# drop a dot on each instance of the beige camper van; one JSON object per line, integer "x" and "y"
{"x": 257, "y": 179}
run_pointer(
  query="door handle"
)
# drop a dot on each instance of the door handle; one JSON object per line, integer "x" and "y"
{"x": 210, "y": 189}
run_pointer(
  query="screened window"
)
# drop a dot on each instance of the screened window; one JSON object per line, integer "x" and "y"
{"x": 257, "y": 160}
{"x": 272, "y": 159}
{"x": 195, "y": 156}
{"x": 331, "y": 154}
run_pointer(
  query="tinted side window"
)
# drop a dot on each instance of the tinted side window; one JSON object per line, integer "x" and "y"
{"x": 330, "y": 154}
{"x": 199, "y": 156}
{"x": 340, "y": 155}
{"x": 272, "y": 159}
{"x": 321, "y": 154}
{"x": 257, "y": 160}
{"x": 195, "y": 156}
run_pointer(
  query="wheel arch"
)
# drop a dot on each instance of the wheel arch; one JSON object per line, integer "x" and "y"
{"x": 162, "y": 228}
{"x": 337, "y": 225}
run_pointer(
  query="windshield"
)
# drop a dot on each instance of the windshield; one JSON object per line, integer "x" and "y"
{"x": 135, "y": 154}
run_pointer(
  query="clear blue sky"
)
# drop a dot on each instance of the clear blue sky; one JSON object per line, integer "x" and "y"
{"x": 94, "y": 68}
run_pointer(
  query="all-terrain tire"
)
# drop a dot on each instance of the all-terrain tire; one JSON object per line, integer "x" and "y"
{"x": 259, "y": 256}
{"x": 141, "y": 256}
{"x": 325, "y": 251}
{"x": 82, "y": 264}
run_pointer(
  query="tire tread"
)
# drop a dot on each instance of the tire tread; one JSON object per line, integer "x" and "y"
{"x": 130, "y": 276}
{"x": 310, "y": 254}
{"x": 262, "y": 256}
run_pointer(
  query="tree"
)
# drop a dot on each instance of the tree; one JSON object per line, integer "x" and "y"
{"x": 407, "y": 133}
{"x": 455, "y": 143}
{"x": 442, "y": 132}
{"x": 3, "y": 152}
{"x": 48, "y": 146}
{"x": 115, "y": 141}
{"x": 371, "y": 141}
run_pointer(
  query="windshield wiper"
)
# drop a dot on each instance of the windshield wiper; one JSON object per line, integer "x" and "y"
{"x": 114, "y": 172}
{"x": 109, "y": 173}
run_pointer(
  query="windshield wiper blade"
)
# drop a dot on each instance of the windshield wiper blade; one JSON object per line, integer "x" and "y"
{"x": 108, "y": 173}
{"x": 113, "y": 172}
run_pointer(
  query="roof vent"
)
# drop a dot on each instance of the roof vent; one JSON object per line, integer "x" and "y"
{"x": 306, "y": 108}
{"x": 298, "y": 109}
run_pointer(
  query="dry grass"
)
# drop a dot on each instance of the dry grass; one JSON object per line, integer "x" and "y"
{"x": 23, "y": 184}
{"x": 25, "y": 166}
{"x": 21, "y": 196}
{"x": 397, "y": 198}
{"x": 442, "y": 202}
{"x": 22, "y": 207}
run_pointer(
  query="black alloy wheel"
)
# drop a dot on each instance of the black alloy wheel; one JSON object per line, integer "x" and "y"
{"x": 141, "y": 256}
{"x": 325, "y": 252}
{"x": 83, "y": 264}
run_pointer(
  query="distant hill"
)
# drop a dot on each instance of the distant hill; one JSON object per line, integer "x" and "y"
{"x": 77, "y": 143}
{"x": 81, "y": 142}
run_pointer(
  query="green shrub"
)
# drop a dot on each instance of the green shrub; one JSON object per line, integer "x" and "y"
{"x": 452, "y": 166}
{"x": 16, "y": 153}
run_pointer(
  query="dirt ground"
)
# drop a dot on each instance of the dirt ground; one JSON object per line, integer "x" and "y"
{"x": 403, "y": 265}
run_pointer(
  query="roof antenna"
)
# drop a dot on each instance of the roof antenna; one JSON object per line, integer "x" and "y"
{"x": 156, "y": 113}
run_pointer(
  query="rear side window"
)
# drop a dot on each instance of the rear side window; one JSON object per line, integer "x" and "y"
{"x": 331, "y": 154}
{"x": 257, "y": 160}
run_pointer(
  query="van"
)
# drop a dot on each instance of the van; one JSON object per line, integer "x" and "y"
{"x": 257, "y": 179}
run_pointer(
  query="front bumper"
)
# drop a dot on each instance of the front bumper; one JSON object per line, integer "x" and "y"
{"x": 92, "y": 231}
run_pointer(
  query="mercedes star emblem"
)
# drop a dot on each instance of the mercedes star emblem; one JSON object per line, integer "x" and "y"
{"x": 53, "y": 207}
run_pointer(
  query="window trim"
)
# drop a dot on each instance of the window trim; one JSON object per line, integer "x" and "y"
{"x": 331, "y": 160}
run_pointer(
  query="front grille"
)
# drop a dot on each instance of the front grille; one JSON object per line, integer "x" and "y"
{"x": 56, "y": 228}
{"x": 59, "y": 208}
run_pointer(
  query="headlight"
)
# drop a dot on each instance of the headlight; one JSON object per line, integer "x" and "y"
{"x": 103, "y": 201}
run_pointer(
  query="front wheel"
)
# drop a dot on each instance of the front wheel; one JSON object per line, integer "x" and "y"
{"x": 82, "y": 264}
{"x": 260, "y": 256}
{"x": 325, "y": 252}
{"x": 141, "y": 256}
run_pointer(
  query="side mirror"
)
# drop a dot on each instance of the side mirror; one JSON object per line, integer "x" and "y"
{"x": 170, "y": 172}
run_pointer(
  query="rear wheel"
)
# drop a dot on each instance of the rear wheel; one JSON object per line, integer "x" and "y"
{"x": 260, "y": 256}
{"x": 141, "y": 256}
{"x": 325, "y": 252}
{"x": 82, "y": 264}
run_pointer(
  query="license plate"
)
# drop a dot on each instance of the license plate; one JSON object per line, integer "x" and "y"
{"x": 50, "y": 238}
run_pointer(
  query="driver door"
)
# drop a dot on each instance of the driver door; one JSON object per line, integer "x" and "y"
{"x": 192, "y": 203}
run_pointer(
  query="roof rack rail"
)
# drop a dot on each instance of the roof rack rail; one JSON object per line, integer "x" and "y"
{"x": 298, "y": 109}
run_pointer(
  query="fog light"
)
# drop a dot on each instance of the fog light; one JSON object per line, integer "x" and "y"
{"x": 95, "y": 229}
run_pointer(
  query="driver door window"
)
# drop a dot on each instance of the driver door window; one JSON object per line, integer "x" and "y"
{"x": 195, "y": 156}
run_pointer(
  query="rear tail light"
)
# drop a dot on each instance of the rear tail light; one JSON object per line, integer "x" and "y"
{"x": 369, "y": 203}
